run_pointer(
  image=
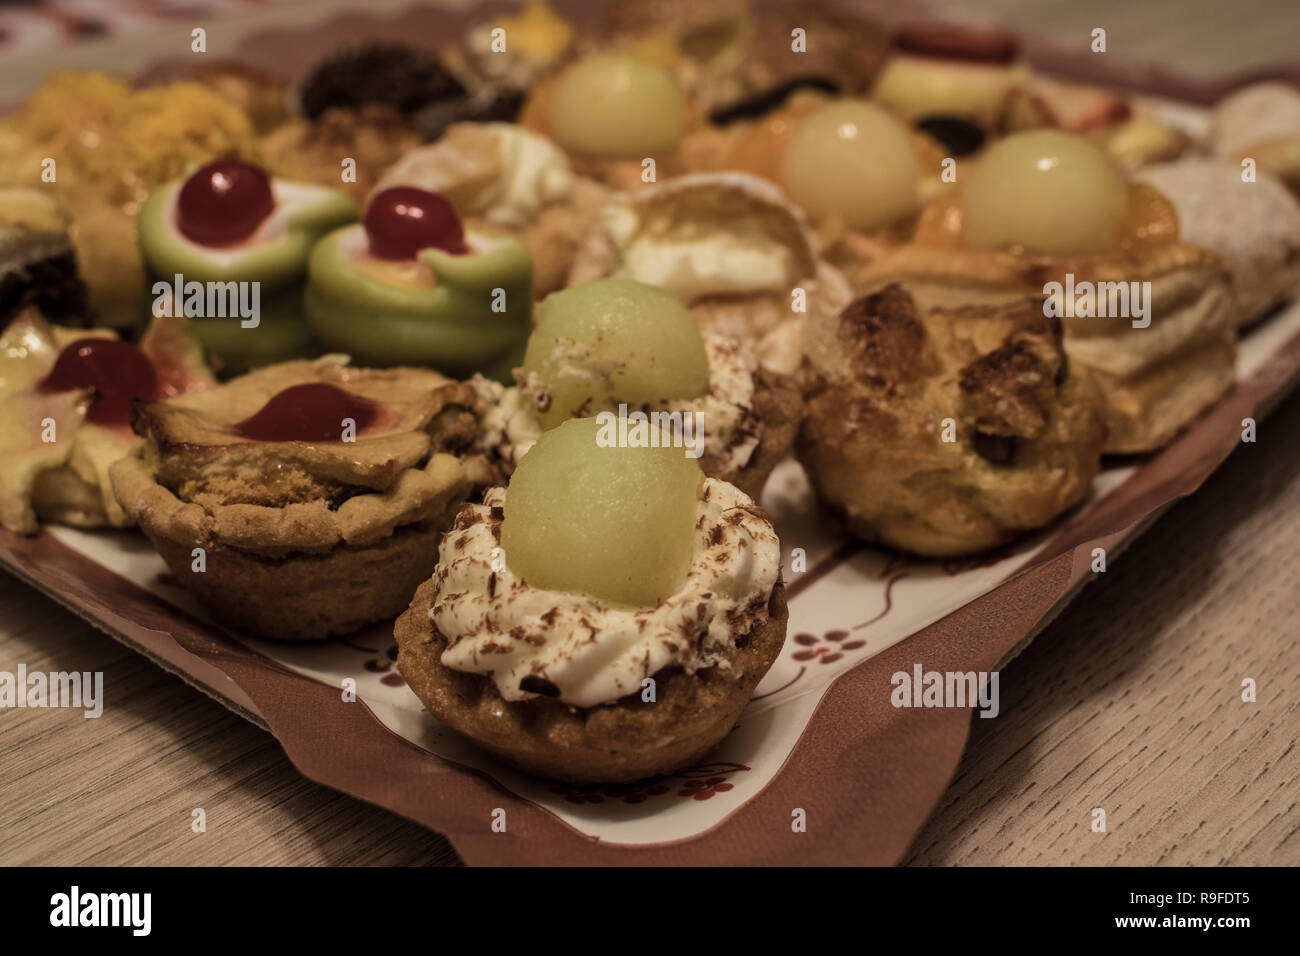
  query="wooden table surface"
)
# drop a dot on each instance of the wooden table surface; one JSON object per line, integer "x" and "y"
{"x": 1130, "y": 701}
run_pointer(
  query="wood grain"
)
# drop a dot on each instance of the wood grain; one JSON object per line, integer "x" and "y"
{"x": 1131, "y": 700}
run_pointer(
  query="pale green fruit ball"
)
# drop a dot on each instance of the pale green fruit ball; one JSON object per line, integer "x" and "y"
{"x": 1048, "y": 192}
{"x": 616, "y": 106}
{"x": 642, "y": 336}
{"x": 853, "y": 161}
{"x": 616, "y": 523}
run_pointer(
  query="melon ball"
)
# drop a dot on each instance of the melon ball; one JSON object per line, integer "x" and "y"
{"x": 1045, "y": 191}
{"x": 612, "y": 521}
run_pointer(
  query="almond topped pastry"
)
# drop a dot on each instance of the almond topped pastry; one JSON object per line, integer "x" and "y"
{"x": 304, "y": 499}
{"x": 613, "y": 342}
{"x": 946, "y": 431}
{"x": 1048, "y": 214}
{"x": 728, "y": 245}
{"x": 604, "y": 618}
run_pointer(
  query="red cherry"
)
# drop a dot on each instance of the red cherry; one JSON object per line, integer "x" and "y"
{"x": 313, "y": 411}
{"x": 224, "y": 202}
{"x": 403, "y": 220}
{"x": 117, "y": 371}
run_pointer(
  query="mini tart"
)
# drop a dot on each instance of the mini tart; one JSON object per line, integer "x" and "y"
{"x": 302, "y": 539}
{"x": 728, "y": 245}
{"x": 274, "y": 256}
{"x": 703, "y": 682}
{"x": 66, "y": 480}
{"x": 1154, "y": 381}
{"x": 38, "y": 266}
{"x": 1261, "y": 122}
{"x": 438, "y": 309}
{"x": 883, "y": 379}
{"x": 1253, "y": 226}
{"x": 504, "y": 177}
{"x": 759, "y": 410}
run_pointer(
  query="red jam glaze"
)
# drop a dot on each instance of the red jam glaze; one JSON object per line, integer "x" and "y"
{"x": 313, "y": 411}
{"x": 117, "y": 371}
{"x": 224, "y": 202}
{"x": 403, "y": 220}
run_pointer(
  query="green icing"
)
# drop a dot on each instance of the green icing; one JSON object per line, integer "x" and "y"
{"x": 279, "y": 266}
{"x": 451, "y": 326}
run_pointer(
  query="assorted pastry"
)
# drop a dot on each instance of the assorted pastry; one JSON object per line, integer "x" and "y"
{"x": 65, "y": 413}
{"x": 1050, "y": 214}
{"x": 619, "y": 343}
{"x": 947, "y": 430}
{"x": 301, "y": 500}
{"x": 507, "y": 337}
{"x": 411, "y": 284}
{"x": 637, "y": 606}
{"x": 230, "y": 225}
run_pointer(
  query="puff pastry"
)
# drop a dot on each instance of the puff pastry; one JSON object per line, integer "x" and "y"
{"x": 1154, "y": 380}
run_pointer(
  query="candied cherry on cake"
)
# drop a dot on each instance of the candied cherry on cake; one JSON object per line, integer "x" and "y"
{"x": 403, "y": 220}
{"x": 224, "y": 202}
{"x": 116, "y": 371}
{"x": 312, "y": 411}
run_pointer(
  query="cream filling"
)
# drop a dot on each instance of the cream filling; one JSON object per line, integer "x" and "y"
{"x": 536, "y": 174}
{"x": 591, "y": 653}
{"x": 696, "y": 259}
{"x": 725, "y": 414}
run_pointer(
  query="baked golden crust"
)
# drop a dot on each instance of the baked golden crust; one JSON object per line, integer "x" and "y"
{"x": 301, "y": 540}
{"x": 887, "y": 383}
{"x": 618, "y": 742}
{"x": 1154, "y": 381}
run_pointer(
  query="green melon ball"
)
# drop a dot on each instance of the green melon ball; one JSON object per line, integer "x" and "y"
{"x": 642, "y": 346}
{"x": 615, "y": 105}
{"x": 616, "y": 523}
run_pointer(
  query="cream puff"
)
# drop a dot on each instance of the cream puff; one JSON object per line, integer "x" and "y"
{"x": 946, "y": 431}
{"x": 729, "y": 246}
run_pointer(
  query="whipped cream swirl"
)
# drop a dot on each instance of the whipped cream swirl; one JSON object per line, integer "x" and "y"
{"x": 581, "y": 650}
{"x": 725, "y": 413}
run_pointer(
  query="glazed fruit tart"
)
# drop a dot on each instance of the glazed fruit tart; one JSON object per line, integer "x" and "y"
{"x": 605, "y": 618}
{"x": 65, "y": 412}
{"x": 305, "y": 499}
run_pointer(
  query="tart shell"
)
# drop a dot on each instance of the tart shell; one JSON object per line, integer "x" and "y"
{"x": 308, "y": 596}
{"x": 612, "y": 743}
